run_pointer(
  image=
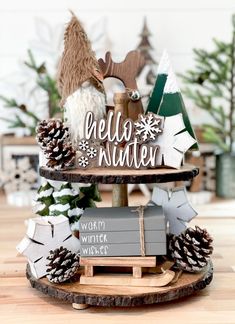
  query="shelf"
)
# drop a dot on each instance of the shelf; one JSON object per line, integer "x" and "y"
{"x": 14, "y": 140}
{"x": 98, "y": 295}
{"x": 118, "y": 176}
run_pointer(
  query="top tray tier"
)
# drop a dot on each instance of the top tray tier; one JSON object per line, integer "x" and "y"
{"x": 106, "y": 175}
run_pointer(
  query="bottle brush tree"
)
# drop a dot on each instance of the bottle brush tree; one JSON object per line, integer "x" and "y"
{"x": 211, "y": 86}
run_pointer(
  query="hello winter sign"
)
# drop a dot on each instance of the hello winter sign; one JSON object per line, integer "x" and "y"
{"x": 114, "y": 142}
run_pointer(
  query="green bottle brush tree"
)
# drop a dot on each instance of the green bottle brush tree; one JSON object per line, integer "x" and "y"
{"x": 66, "y": 201}
{"x": 212, "y": 88}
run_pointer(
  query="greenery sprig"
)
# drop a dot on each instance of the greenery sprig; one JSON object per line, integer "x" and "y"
{"x": 45, "y": 82}
{"x": 212, "y": 88}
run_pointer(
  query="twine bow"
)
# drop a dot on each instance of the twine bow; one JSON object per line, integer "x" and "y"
{"x": 140, "y": 211}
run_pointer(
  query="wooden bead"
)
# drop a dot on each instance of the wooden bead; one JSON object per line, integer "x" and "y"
{"x": 80, "y": 306}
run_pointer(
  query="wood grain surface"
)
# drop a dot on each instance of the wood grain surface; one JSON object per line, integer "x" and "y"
{"x": 154, "y": 287}
{"x": 13, "y": 140}
{"x": 120, "y": 261}
{"x": 111, "y": 176}
{"x": 127, "y": 72}
{"x": 19, "y": 303}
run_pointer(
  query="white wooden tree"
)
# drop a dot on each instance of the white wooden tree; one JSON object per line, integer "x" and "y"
{"x": 43, "y": 235}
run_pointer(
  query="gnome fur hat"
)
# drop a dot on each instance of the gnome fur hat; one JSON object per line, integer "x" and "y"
{"x": 79, "y": 80}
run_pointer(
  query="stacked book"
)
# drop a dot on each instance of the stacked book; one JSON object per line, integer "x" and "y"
{"x": 116, "y": 231}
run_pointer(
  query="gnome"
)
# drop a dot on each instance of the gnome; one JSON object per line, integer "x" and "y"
{"x": 79, "y": 80}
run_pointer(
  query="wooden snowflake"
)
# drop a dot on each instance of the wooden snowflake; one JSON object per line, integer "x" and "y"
{"x": 83, "y": 161}
{"x": 18, "y": 175}
{"x": 176, "y": 207}
{"x": 148, "y": 127}
{"x": 83, "y": 145}
{"x": 92, "y": 152}
{"x": 43, "y": 235}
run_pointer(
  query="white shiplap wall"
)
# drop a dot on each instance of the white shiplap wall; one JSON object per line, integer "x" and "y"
{"x": 176, "y": 25}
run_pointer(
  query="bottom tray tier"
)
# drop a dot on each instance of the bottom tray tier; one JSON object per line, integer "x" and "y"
{"x": 119, "y": 295}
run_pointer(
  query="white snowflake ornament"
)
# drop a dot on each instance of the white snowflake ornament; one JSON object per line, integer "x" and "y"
{"x": 83, "y": 161}
{"x": 43, "y": 235}
{"x": 83, "y": 145}
{"x": 148, "y": 127}
{"x": 92, "y": 152}
{"x": 176, "y": 207}
{"x": 173, "y": 142}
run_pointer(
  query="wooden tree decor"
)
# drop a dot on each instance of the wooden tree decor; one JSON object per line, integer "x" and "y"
{"x": 126, "y": 71}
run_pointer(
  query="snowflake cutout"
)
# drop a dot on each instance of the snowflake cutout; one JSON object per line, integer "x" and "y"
{"x": 147, "y": 127}
{"x": 83, "y": 161}
{"x": 83, "y": 145}
{"x": 18, "y": 175}
{"x": 176, "y": 207}
{"x": 174, "y": 142}
{"x": 92, "y": 152}
{"x": 44, "y": 234}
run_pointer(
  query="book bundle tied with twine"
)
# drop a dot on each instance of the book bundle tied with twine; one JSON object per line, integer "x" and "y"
{"x": 123, "y": 231}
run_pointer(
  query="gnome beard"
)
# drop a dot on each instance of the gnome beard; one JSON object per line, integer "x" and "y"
{"x": 76, "y": 107}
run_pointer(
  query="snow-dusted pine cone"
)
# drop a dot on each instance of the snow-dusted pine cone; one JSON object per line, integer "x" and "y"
{"x": 60, "y": 155}
{"x": 63, "y": 265}
{"x": 191, "y": 249}
{"x": 50, "y": 129}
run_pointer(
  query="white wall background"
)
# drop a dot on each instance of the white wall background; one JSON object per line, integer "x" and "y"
{"x": 178, "y": 26}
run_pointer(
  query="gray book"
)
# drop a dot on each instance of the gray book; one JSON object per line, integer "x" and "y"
{"x": 121, "y": 237}
{"x": 121, "y": 219}
{"x": 130, "y": 249}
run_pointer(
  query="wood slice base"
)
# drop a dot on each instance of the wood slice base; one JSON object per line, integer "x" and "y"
{"x": 111, "y": 296}
{"x": 119, "y": 176}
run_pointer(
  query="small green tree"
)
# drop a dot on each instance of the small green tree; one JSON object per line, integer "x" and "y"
{"x": 71, "y": 202}
{"x": 213, "y": 90}
{"x": 44, "y": 199}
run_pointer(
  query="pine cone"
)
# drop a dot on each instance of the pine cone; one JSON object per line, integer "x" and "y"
{"x": 50, "y": 129}
{"x": 60, "y": 154}
{"x": 191, "y": 249}
{"x": 62, "y": 266}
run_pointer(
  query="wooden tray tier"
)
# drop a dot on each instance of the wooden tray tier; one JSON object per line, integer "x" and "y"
{"x": 97, "y": 295}
{"x": 119, "y": 176}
